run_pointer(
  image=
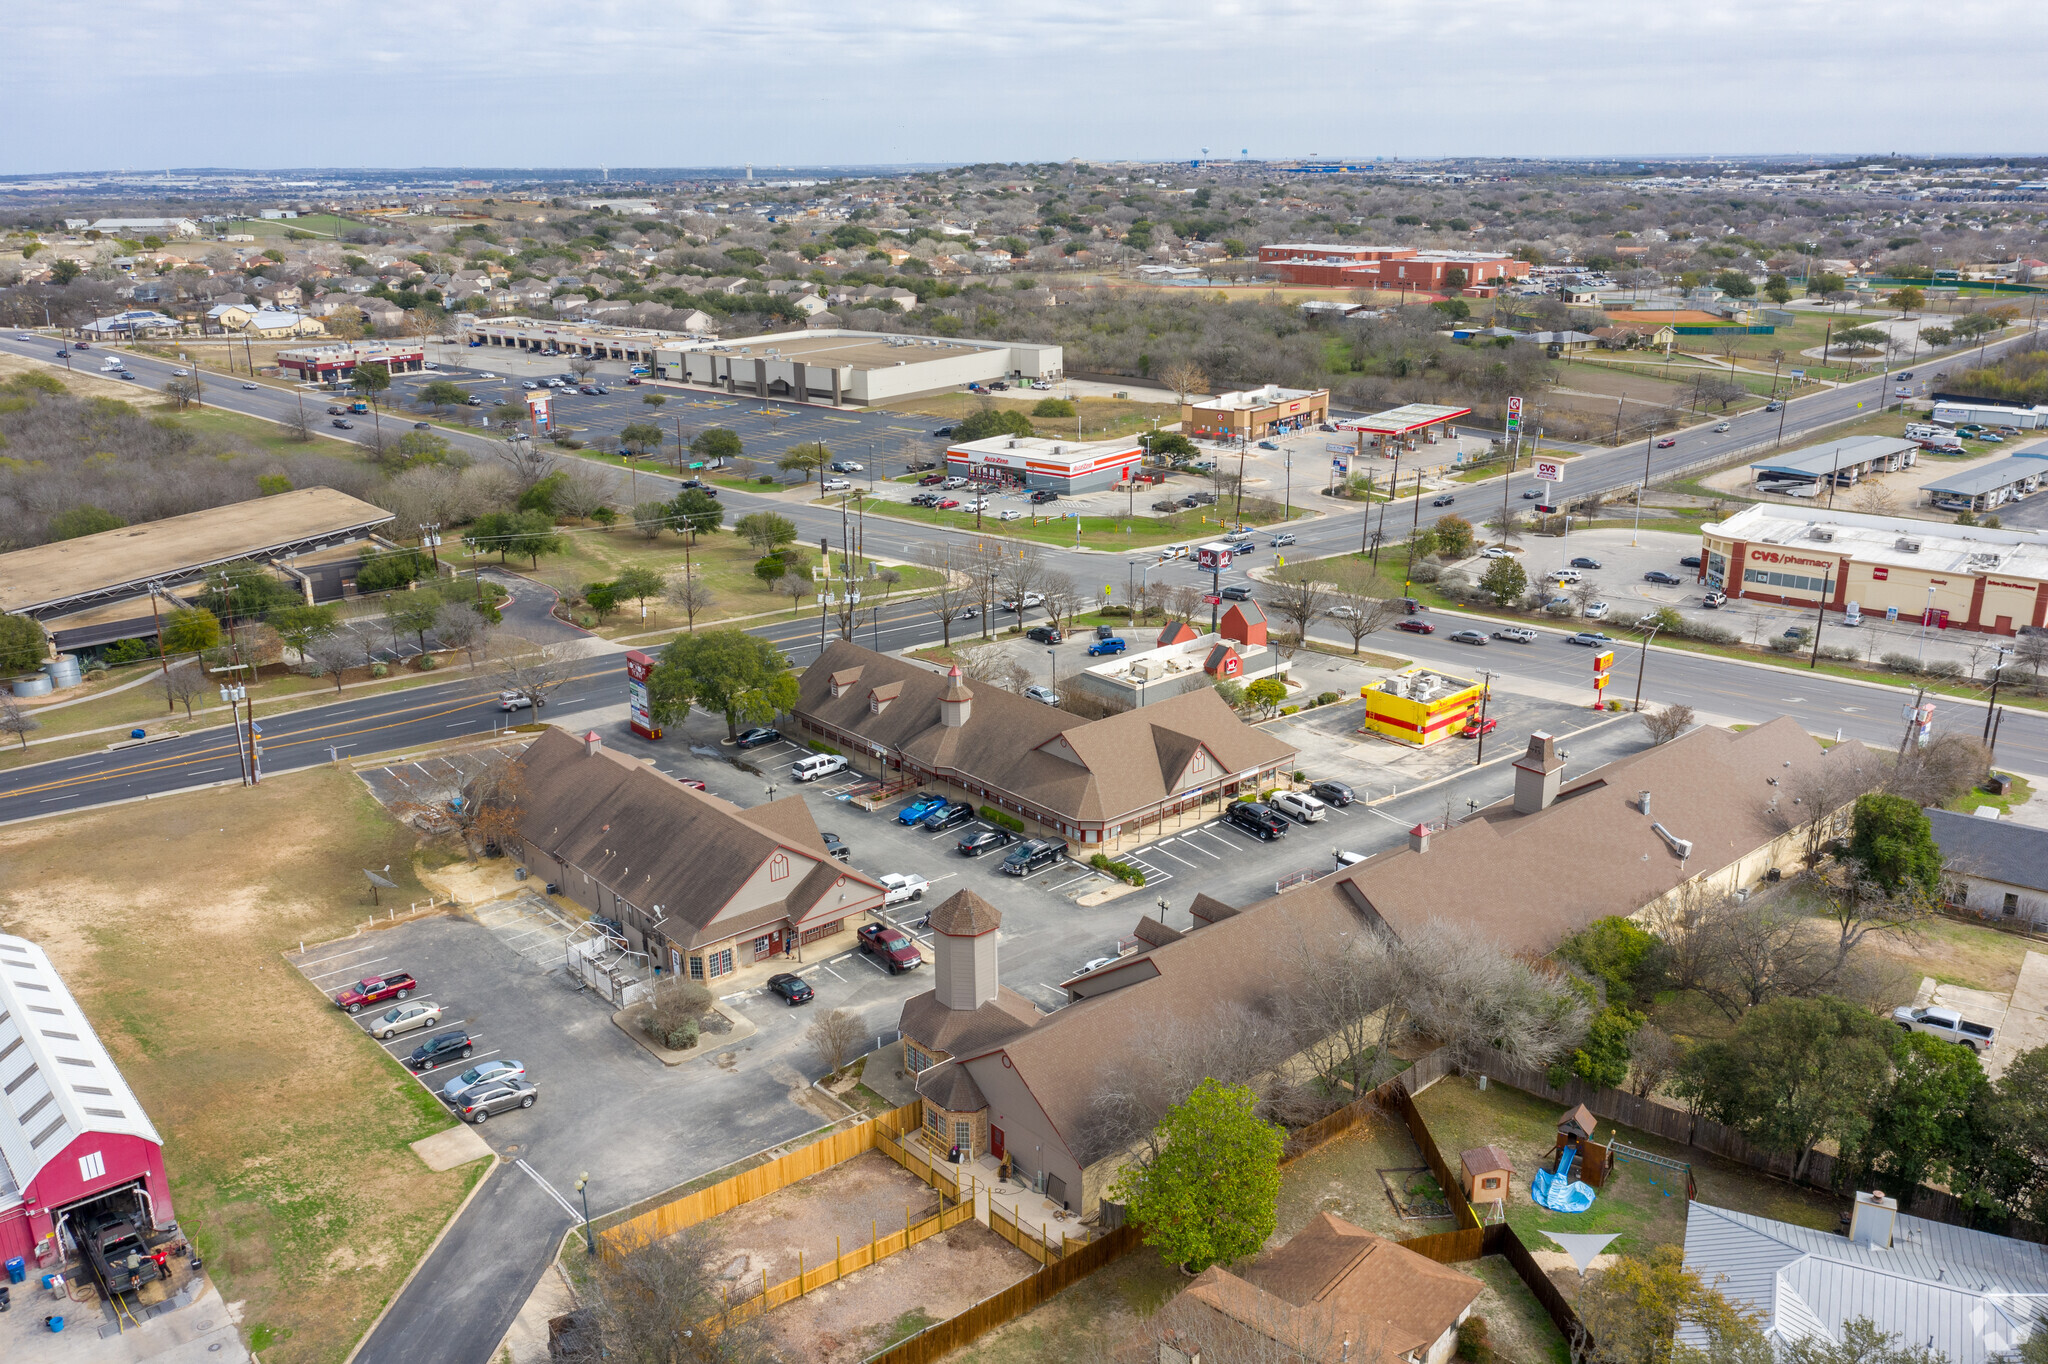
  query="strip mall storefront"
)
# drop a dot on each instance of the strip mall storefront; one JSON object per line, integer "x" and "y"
{"x": 1969, "y": 598}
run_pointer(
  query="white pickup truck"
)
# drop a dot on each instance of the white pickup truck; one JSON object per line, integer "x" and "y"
{"x": 1948, "y": 1025}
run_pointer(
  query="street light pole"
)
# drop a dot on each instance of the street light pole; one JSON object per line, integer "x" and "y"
{"x": 1997, "y": 675}
{"x": 583, "y": 1190}
{"x": 1820, "y": 615}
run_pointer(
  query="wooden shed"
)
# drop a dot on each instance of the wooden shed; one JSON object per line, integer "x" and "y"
{"x": 1488, "y": 1174}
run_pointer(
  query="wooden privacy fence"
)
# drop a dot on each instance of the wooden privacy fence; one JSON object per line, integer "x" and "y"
{"x": 942, "y": 1338}
{"x": 832, "y": 1149}
{"x": 904, "y": 1153}
{"x": 879, "y": 1247}
{"x": 1704, "y": 1134}
{"x": 1038, "y": 1246}
{"x": 1413, "y": 1080}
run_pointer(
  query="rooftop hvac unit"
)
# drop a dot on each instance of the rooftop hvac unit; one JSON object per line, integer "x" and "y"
{"x": 1905, "y": 546}
{"x": 1824, "y": 534}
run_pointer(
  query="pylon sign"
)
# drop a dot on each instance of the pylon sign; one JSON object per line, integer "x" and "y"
{"x": 1603, "y": 660}
{"x": 1600, "y": 681}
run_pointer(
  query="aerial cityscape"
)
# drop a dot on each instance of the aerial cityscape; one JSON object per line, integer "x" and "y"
{"x": 704, "y": 839}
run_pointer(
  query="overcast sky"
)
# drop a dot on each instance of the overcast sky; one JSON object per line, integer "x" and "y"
{"x": 136, "y": 84}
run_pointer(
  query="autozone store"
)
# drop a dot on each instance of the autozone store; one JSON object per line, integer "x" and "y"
{"x": 1992, "y": 581}
{"x": 1034, "y": 462}
{"x": 337, "y": 364}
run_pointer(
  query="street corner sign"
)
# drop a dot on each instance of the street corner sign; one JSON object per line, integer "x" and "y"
{"x": 1550, "y": 470}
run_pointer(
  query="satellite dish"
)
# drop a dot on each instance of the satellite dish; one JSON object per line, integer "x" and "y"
{"x": 377, "y": 880}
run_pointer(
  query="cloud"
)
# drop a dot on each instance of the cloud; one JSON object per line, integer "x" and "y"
{"x": 522, "y": 83}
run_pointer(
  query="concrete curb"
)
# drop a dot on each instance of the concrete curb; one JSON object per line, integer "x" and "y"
{"x": 497, "y": 1163}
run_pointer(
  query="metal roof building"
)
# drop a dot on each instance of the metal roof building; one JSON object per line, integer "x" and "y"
{"x": 1848, "y": 460}
{"x": 71, "y": 1130}
{"x": 1969, "y": 1294}
{"x": 1988, "y": 485}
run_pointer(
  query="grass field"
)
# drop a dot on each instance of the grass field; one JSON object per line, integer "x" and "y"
{"x": 290, "y": 1168}
{"x": 325, "y": 226}
{"x": 722, "y": 560}
{"x": 1098, "y": 418}
{"x": 1097, "y": 532}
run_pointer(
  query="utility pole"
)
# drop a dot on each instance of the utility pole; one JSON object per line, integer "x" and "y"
{"x": 1486, "y": 694}
{"x": 1912, "y": 720}
{"x": 1649, "y": 446}
{"x": 1997, "y": 675}
{"x": 1642, "y": 663}
{"x": 1820, "y": 615}
{"x": 164, "y": 664}
{"x": 1414, "y": 534}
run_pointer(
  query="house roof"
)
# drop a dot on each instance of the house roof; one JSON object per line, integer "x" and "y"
{"x": 964, "y": 914}
{"x": 1484, "y": 1160}
{"x": 1969, "y": 1294}
{"x": 1086, "y": 771}
{"x": 679, "y": 855}
{"x": 1528, "y": 880}
{"x": 58, "y": 1080}
{"x": 949, "y": 1086}
{"x": 956, "y": 1031}
{"x": 1335, "y": 1291}
{"x": 1995, "y": 849}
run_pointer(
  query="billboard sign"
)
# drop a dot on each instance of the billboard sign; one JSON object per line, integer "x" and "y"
{"x": 638, "y": 668}
{"x": 1550, "y": 470}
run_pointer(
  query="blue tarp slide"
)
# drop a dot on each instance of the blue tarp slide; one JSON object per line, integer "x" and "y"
{"x": 1559, "y": 1191}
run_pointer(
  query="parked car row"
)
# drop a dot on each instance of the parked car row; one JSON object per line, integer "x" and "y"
{"x": 484, "y": 1089}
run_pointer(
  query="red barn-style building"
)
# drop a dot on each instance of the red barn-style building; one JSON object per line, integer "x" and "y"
{"x": 73, "y": 1138}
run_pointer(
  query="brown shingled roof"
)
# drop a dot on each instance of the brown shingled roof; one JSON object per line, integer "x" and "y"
{"x": 1482, "y": 1160}
{"x": 953, "y": 1031}
{"x": 963, "y": 914}
{"x": 948, "y": 1085}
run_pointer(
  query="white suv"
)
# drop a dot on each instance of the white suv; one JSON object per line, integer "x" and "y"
{"x": 901, "y": 889}
{"x": 1299, "y": 805}
{"x": 816, "y": 766}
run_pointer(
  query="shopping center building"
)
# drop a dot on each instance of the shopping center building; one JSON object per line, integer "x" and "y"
{"x": 1037, "y": 463}
{"x": 1255, "y": 413}
{"x": 1388, "y": 267}
{"x": 833, "y": 365}
{"x": 1952, "y": 577}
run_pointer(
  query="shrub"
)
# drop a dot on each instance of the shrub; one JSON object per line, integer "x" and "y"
{"x": 1289, "y": 710}
{"x": 427, "y": 663}
{"x": 128, "y": 651}
{"x": 1782, "y": 644}
{"x": 1425, "y": 571}
{"x": 379, "y": 670}
{"x": 672, "y": 1011}
{"x": 1002, "y": 820}
{"x": 1899, "y": 663}
{"x": 1303, "y": 776}
{"x": 1839, "y": 653}
{"x": 1475, "y": 1343}
{"x": 1122, "y": 871}
{"x": 819, "y": 746}
{"x": 764, "y": 478}
{"x": 1945, "y": 667}
{"x": 1328, "y": 698}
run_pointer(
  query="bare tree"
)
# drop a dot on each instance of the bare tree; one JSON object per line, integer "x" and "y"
{"x": 582, "y": 490}
{"x": 527, "y": 462}
{"x": 582, "y": 366}
{"x": 1668, "y": 723}
{"x": 297, "y": 425}
{"x": 2032, "y": 650}
{"x": 1816, "y": 800}
{"x": 16, "y": 721}
{"x": 482, "y": 803}
{"x": 1184, "y": 377}
{"x": 992, "y": 666}
{"x": 1878, "y": 499}
{"x": 1301, "y": 601}
{"x": 184, "y": 683}
{"x": 1060, "y": 596}
{"x": 833, "y": 1036}
{"x": 1941, "y": 771}
{"x": 1739, "y": 955}
{"x": 1022, "y": 572}
{"x": 650, "y": 1300}
{"x": 458, "y": 626}
{"x": 1584, "y": 594}
{"x": 690, "y": 594}
{"x": 1359, "y": 615}
{"x": 795, "y": 586}
{"x": 331, "y": 655}
{"x": 1184, "y": 603}
{"x": 1653, "y": 1055}
{"x": 955, "y": 590}
{"x": 531, "y": 673}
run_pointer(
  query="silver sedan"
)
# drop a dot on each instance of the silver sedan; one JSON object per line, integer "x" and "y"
{"x": 405, "y": 1018}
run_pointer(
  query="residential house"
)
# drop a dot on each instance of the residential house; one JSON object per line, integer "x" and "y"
{"x": 1333, "y": 1293}
{"x": 810, "y": 305}
{"x": 132, "y": 323}
{"x": 699, "y": 885}
{"x": 1969, "y": 1296}
{"x": 1633, "y": 336}
{"x": 1085, "y": 780}
{"x": 1993, "y": 866}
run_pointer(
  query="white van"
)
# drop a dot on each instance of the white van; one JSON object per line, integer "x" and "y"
{"x": 816, "y": 766}
{"x": 1852, "y": 615}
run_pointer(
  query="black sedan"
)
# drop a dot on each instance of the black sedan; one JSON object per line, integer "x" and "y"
{"x": 1583, "y": 562}
{"x": 981, "y": 840}
{"x": 1332, "y": 792}
{"x": 1658, "y": 575}
{"x": 342, "y": 424}
{"x": 952, "y": 816}
{"x": 795, "y": 989}
{"x": 1689, "y": 561}
{"x": 440, "y": 1049}
{"x": 755, "y": 738}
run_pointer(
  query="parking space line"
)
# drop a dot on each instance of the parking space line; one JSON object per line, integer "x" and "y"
{"x": 552, "y": 1191}
{"x": 832, "y": 973}
{"x": 352, "y": 952}
{"x": 1176, "y": 857}
{"x": 345, "y": 970}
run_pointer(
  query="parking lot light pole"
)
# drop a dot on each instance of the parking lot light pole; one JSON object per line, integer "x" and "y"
{"x": 1052, "y": 663}
{"x": 583, "y": 1189}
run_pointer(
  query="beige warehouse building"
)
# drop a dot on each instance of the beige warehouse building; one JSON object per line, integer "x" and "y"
{"x": 1955, "y": 577}
{"x": 862, "y": 368}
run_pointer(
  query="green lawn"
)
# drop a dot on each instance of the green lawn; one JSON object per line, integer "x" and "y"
{"x": 1097, "y": 532}
{"x": 323, "y": 225}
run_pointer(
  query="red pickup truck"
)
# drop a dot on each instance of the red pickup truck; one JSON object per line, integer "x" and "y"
{"x": 377, "y": 989}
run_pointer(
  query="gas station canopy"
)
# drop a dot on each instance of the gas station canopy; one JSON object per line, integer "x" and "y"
{"x": 1406, "y": 420}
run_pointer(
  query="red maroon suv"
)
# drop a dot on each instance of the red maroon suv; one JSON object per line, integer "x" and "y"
{"x": 891, "y": 946}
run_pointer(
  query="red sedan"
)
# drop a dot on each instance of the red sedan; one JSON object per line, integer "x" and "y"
{"x": 1476, "y": 727}
{"x": 949, "y": 504}
{"x": 1415, "y": 627}
{"x": 1667, "y": 442}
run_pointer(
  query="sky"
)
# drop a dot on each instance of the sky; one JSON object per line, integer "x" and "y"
{"x": 145, "y": 84}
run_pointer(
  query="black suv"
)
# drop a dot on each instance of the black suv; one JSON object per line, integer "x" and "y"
{"x": 1035, "y": 855}
{"x": 440, "y": 1049}
{"x": 1255, "y": 818}
{"x": 1045, "y": 495}
{"x": 1044, "y": 634}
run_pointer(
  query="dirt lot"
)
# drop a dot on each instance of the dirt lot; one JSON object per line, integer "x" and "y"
{"x": 84, "y": 379}
{"x": 166, "y": 918}
{"x": 837, "y": 1211}
{"x": 1343, "y": 1178}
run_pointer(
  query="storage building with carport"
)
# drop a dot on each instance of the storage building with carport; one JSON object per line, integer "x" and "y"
{"x": 1845, "y": 461}
{"x": 1989, "y": 486}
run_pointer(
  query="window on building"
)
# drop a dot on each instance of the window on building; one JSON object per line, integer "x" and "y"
{"x": 936, "y": 1123}
{"x": 721, "y": 963}
{"x": 696, "y": 968}
{"x": 1797, "y": 582}
{"x": 2012, "y": 903}
{"x": 963, "y": 1134}
{"x": 913, "y": 1059}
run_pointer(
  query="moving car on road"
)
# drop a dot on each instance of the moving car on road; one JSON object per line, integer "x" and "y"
{"x": 1592, "y": 639}
{"x": 1467, "y": 637}
{"x": 1415, "y": 627}
{"x": 1516, "y": 634}
{"x": 1667, "y": 442}
{"x": 512, "y": 700}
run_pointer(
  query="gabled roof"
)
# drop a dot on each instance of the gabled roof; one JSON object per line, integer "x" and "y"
{"x": 1117, "y": 766}
{"x": 1971, "y": 1294}
{"x": 678, "y": 854}
{"x": 57, "y": 1080}
{"x": 1995, "y": 849}
{"x": 1484, "y": 1160}
{"x": 1527, "y": 880}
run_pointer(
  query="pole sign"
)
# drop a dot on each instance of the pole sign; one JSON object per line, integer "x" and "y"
{"x": 1550, "y": 470}
{"x": 638, "y": 667}
{"x": 537, "y": 408}
{"x": 1603, "y": 660}
{"x": 1212, "y": 558}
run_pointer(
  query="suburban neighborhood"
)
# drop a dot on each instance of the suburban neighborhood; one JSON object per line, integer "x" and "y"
{"x": 1136, "y": 753}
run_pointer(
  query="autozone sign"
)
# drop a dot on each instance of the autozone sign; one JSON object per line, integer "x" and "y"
{"x": 1003, "y": 460}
